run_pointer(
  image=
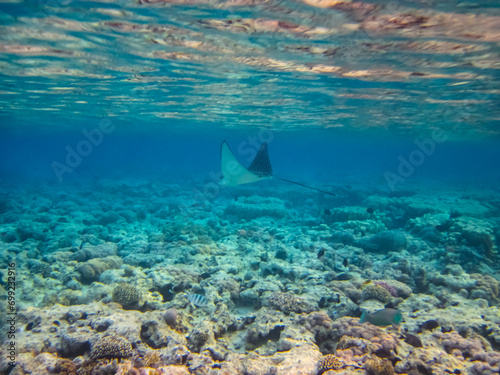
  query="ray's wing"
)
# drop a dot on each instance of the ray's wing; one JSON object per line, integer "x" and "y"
{"x": 261, "y": 166}
{"x": 234, "y": 173}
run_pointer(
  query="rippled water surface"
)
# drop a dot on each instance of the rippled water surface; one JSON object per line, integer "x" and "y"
{"x": 403, "y": 66}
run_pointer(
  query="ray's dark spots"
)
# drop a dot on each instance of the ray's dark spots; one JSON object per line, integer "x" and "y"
{"x": 370, "y": 210}
{"x": 457, "y": 371}
{"x": 56, "y": 322}
{"x": 321, "y": 253}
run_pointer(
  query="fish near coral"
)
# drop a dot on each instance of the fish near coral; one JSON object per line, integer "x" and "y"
{"x": 430, "y": 325}
{"x": 412, "y": 340}
{"x": 197, "y": 299}
{"x": 381, "y": 318}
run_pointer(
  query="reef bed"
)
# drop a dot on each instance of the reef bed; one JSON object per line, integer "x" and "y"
{"x": 143, "y": 277}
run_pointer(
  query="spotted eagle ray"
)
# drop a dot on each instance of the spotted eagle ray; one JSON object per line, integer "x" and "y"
{"x": 235, "y": 174}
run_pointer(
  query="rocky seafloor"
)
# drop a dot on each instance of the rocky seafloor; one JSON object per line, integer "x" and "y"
{"x": 105, "y": 276}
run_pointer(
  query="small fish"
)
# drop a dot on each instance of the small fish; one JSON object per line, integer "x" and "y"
{"x": 197, "y": 299}
{"x": 384, "y": 317}
{"x": 344, "y": 276}
{"x": 345, "y": 262}
{"x": 383, "y": 353}
{"x": 430, "y": 324}
{"x": 327, "y": 211}
{"x": 370, "y": 210}
{"x": 321, "y": 253}
{"x": 412, "y": 340}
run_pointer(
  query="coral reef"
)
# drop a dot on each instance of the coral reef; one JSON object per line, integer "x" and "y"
{"x": 328, "y": 362}
{"x": 287, "y": 302}
{"x": 376, "y": 366}
{"x": 376, "y": 291}
{"x": 111, "y": 347}
{"x": 127, "y": 295}
{"x": 285, "y": 288}
{"x": 93, "y": 268}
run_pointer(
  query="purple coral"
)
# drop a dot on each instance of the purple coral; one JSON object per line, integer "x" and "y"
{"x": 171, "y": 316}
{"x": 387, "y": 287}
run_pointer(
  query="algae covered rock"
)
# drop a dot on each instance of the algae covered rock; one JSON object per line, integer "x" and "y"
{"x": 475, "y": 233}
{"x": 92, "y": 269}
{"x": 288, "y": 302}
{"x": 377, "y": 366}
{"x": 383, "y": 242}
{"x": 250, "y": 208}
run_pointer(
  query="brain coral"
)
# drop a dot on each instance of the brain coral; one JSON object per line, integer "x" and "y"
{"x": 378, "y": 292}
{"x": 328, "y": 362}
{"x": 126, "y": 295}
{"x": 93, "y": 268}
{"x": 288, "y": 302}
{"x": 376, "y": 366}
{"x": 111, "y": 347}
{"x": 40, "y": 267}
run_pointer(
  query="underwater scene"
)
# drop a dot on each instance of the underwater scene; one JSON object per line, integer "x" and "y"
{"x": 249, "y": 187}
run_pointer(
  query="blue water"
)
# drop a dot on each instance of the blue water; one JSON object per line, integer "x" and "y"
{"x": 112, "y": 115}
{"x": 189, "y": 155}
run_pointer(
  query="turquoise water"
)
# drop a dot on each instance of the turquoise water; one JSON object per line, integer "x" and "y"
{"x": 113, "y": 218}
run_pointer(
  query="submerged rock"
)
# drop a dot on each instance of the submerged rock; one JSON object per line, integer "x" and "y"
{"x": 383, "y": 242}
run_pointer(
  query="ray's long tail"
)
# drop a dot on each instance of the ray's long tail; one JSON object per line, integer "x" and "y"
{"x": 306, "y": 186}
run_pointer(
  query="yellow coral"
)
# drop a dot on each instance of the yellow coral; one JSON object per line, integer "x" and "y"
{"x": 379, "y": 367}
